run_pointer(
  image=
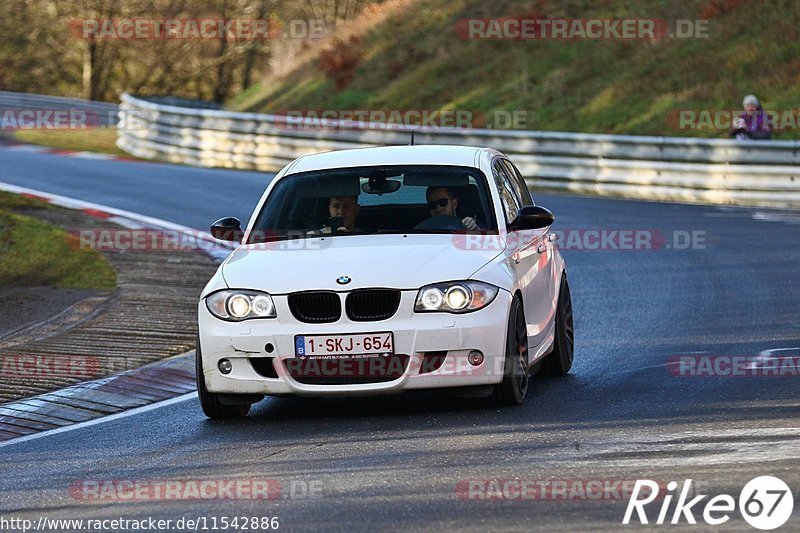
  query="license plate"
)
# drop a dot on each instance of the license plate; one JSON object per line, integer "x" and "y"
{"x": 344, "y": 345}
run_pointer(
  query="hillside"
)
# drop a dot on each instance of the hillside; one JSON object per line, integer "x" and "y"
{"x": 416, "y": 58}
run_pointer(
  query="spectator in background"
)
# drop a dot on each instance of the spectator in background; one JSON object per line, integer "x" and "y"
{"x": 753, "y": 123}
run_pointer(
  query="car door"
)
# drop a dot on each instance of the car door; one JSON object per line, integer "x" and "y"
{"x": 547, "y": 234}
{"x": 532, "y": 257}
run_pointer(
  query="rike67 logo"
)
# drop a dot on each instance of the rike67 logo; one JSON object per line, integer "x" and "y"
{"x": 765, "y": 503}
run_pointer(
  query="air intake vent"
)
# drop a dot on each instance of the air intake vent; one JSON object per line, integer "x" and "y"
{"x": 432, "y": 361}
{"x": 264, "y": 366}
{"x": 346, "y": 371}
{"x": 369, "y": 305}
{"x": 315, "y": 307}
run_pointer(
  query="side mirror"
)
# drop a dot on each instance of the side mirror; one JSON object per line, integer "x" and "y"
{"x": 532, "y": 217}
{"x": 227, "y": 229}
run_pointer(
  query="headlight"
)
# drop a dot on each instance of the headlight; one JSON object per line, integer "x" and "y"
{"x": 237, "y": 305}
{"x": 454, "y": 297}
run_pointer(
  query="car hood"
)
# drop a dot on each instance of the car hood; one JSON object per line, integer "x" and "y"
{"x": 393, "y": 261}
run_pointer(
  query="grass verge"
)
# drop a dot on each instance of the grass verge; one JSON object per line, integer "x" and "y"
{"x": 33, "y": 253}
{"x": 98, "y": 140}
{"x": 418, "y": 58}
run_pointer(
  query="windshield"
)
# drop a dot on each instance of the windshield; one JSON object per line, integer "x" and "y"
{"x": 377, "y": 200}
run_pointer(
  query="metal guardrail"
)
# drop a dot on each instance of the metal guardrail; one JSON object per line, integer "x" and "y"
{"x": 100, "y": 113}
{"x": 717, "y": 171}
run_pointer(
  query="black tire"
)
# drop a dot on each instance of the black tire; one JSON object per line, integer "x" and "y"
{"x": 514, "y": 387}
{"x": 212, "y": 407}
{"x": 559, "y": 361}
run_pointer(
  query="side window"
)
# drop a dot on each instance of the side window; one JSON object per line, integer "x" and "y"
{"x": 520, "y": 187}
{"x": 511, "y": 204}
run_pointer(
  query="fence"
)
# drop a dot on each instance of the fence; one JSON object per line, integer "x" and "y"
{"x": 719, "y": 171}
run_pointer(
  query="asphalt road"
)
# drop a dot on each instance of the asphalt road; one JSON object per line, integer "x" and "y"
{"x": 402, "y": 462}
{"x": 189, "y": 196}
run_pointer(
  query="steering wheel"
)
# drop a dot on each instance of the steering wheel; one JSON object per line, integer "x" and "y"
{"x": 442, "y": 222}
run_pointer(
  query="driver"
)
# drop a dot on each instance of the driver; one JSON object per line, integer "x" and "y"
{"x": 345, "y": 209}
{"x": 442, "y": 202}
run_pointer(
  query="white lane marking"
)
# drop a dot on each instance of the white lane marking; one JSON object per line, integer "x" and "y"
{"x": 725, "y": 214}
{"x": 92, "y": 155}
{"x": 763, "y": 357}
{"x": 26, "y": 148}
{"x": 126, "y": 222}
{"x": 768, "y": 353}
{"x": 789, "y": 217}
{"x": 101, "y": 420}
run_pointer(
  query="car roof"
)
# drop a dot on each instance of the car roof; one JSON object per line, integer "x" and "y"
{"x": 431, "y": 154}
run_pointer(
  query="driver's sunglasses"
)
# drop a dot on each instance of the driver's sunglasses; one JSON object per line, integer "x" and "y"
{"x": 441, "y": 202}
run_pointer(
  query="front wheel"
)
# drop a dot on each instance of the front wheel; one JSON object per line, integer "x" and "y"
{"x": 514, "y": 387}
{"x": 210, "y": 402}
{"x": 559, "y": 361}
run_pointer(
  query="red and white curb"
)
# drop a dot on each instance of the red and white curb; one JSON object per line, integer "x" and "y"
{"x": 217, "y": 250}
{"x": 148, "y": 387}
{"x": 161, "y": 382}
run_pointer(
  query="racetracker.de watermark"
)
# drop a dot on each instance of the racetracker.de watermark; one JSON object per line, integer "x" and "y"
{"x": 734, "y": 366}
{"x": 159, "y": 240}
{"x": 516, "y": 489}
{"x": 163, "y": 240}
{"x": 370, "y": 365}
{"x": 242, "y": 29}
{"x": 604, "y": 239}
{"x": 71, "y": 118}
{"x": 574, "y": 29}
{"x": 727, "y": 119}
{"x": 180, "y": 28}
{"x": 53, "y": 119}
{"x": 399, "y": 119}
{"x": 20, "y": 366}
{"x": 123, "y": 490}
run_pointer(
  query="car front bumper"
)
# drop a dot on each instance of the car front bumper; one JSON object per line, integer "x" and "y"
{"x": 414, "y": 334}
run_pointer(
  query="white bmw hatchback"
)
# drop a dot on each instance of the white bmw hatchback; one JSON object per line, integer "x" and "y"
{"x": 381, "y": 270}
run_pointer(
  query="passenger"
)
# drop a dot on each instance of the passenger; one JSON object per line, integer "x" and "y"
{"x": 753, "y": 123}
{"x": 343, "y": 211}
{"x": 442, "y": 202}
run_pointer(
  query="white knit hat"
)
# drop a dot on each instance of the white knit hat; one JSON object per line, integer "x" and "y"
{"x": 751, "y": 99}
